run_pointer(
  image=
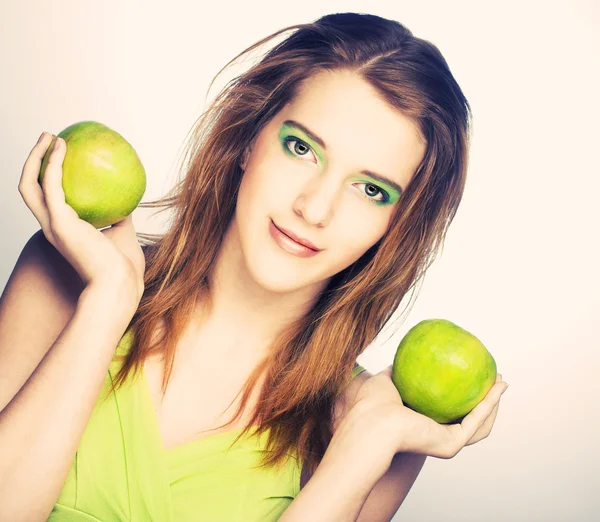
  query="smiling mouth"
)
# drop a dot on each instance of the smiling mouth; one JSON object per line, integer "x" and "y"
{"x": 303, "y": 242}
{"x": 288, "y": 244}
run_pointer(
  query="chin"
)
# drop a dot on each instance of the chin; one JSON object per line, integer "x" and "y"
{"x": 270, "y": 267}
{"x": 275, "y": 279}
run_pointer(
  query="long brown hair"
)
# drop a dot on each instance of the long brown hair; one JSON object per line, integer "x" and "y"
{"x": 311, "y": 360}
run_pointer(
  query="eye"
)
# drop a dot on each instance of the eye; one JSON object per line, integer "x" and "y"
{"x": 384, "y": 195}
{"x": 300, "y": 148}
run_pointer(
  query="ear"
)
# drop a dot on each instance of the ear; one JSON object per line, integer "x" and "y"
{"x": 244, "y": 160}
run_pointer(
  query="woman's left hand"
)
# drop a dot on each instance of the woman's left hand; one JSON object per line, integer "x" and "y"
{"x": 398, "y": 428}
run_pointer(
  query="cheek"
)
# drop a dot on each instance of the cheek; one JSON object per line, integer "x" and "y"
{"x": 356, "y": 236}
{"x": 353, "y": 248}
{"x": 268, "y": 184}
{"x": 251, "y": 191}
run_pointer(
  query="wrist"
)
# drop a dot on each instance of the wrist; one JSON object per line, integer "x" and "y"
{"x": 109, "y": 298}
{"x": 366, "y": 451}
{"x": 337, "y": 490}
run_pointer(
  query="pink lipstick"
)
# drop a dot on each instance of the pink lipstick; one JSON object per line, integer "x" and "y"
{"x": 288, "y": 244}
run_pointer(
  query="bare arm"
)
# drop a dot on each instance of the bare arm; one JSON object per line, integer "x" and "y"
{"x": 42, "y": 425}
{"x": 339, "y": 487}
{"x": 335, "y": 495}
{"x": 390, "y": 491}
{"x": 343, "y": 492}
{"x": 42, "y": 290}
{"x": 364, "y": 449}
{"x": 59, "y": 347}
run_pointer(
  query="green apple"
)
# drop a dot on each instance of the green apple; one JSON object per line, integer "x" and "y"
{"x": 442, "y": 371}
{"x": 103, "y": 177}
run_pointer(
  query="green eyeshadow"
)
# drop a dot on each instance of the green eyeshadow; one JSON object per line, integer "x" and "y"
{"x": 286, "y": 131}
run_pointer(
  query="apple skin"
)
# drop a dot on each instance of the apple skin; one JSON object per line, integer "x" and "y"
{"x": 103, "y": 177}
{"x": 442, "y": 371}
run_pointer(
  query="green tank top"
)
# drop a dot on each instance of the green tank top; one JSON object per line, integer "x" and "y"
{"x": 122, "y": 472}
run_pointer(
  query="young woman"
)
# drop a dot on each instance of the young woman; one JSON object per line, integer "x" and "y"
{"x": 208, "y": 375}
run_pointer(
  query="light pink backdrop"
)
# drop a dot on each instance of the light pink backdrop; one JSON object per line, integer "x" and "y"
{"x": 520, "y": 266}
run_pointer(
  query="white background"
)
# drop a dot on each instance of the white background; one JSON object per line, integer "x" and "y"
{"x": 520, "y": 265}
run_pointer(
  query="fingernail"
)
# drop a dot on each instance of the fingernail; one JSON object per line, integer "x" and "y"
{"x": 41, "y": 137}
{"x": 505, "y": 388}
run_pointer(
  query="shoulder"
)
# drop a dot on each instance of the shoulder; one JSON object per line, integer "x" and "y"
{"x": 345, "y": 399}
{"x": 49, "y": 271}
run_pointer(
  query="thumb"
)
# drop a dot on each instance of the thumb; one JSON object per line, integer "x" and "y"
{"x": 387, "y": 371}
{"x": 125, "y": 222}
{"x": 123, "y": 227}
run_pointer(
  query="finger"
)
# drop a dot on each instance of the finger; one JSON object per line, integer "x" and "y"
{"x": 123, "y": 233}
{"x": 476, "y": 418}
{"x": 29, "y": 186}
{"x": 52, "y": 182}
{"x": 126, "y": 222}
{"x": 486, "y": 427}
{"x": 123, "y": 228}
{"x": 387, "y": 371}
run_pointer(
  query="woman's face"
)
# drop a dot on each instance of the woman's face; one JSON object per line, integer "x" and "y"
{"x": 306, "y": 173}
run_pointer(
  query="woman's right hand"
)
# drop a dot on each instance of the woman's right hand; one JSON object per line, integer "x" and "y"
{"x": 111, "y": 256}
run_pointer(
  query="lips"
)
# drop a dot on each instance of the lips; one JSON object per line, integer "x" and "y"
{"x": 297, "y": 239}
{"x": 288, "y": 244}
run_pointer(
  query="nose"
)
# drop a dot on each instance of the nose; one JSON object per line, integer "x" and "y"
{"x": 317, "y": 201}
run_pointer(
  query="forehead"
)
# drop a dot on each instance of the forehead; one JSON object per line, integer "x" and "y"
{"x": 356, "y": 124}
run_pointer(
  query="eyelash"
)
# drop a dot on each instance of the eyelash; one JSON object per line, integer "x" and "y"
{"x": 385, "y": 195}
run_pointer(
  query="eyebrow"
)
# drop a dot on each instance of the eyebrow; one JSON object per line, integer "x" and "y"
{"x": 317, "y": 139}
